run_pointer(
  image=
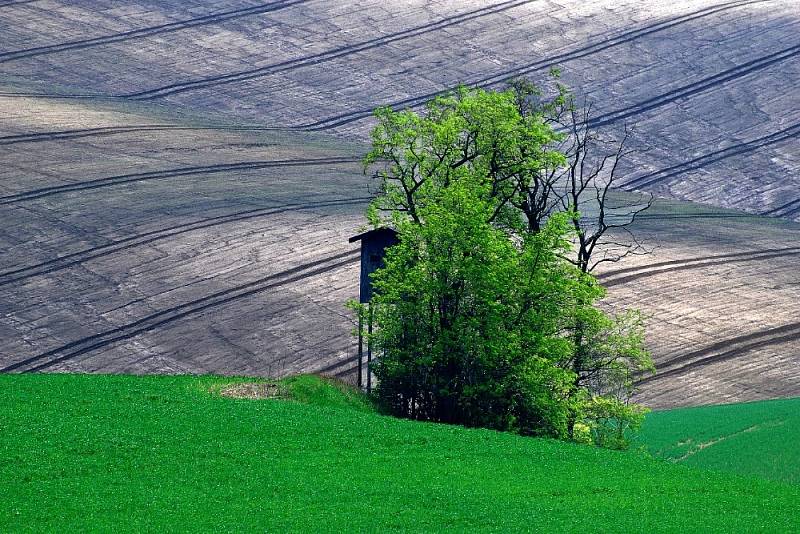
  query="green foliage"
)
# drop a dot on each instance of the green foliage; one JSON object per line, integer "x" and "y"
{"x": 321, "y": 391}
{"x": 85, "y": 453}
{"x": 611, "y": 421}
{"x": 754, "y": 438}
{"x": 479, "y": 317}
{"x": 614, "y": 345}
{"x": 469, "y": 322}
{"x": 470, "y": 134}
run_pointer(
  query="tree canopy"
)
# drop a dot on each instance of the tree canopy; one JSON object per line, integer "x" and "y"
{"x": 482, "y": 315}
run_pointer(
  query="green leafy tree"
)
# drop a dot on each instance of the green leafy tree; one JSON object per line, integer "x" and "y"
{"x": 470, "y": 322}
{"x": 480, "y": 316}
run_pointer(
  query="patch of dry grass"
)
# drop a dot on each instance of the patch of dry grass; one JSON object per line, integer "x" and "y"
{"x": 254, "y": 391}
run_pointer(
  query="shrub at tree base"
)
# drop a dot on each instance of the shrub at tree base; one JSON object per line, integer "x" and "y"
{"x": 479, "y": 319}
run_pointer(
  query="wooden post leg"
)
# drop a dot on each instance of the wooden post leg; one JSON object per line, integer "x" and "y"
{"x": 360, "y": 348}
{"x": 369, "y": 349}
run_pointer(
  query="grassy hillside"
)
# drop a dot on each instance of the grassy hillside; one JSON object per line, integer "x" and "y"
{"x": 757, "y": 438}
{"x": 168, "y": 453}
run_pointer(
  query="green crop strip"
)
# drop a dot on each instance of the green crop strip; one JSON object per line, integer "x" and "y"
{"x": 755, "y": 438}
{"x": 138, "y": 454}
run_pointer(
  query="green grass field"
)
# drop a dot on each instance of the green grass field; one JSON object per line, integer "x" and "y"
{"x": 125, "y": 453}
{"x": 756, "y": 438}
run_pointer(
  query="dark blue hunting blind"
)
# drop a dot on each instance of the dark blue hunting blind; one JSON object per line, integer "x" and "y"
{"x": 373, "y": 249}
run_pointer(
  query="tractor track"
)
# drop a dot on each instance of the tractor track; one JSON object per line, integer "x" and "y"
{"x": 326, "y": 56}
{"x": 17, "y": 2}
{"x": 792, "y": 208}
{"x": 156, "y": 320}
{"x": 794, "y": 211}
{"x": 725, "y": 350}
{"x": 125, "y": 244}
{"x": 700, "y": 86}
{"x": 340, "y": 363}
{"x": 168, "y": 173}
{"x": 214, "y": 18}
{"x": 660, "y": 175}
{"x": 347, "y": 118}
{"x": 613, "y": 278}
{"x": 712, "y": 215}
{"x": 692, "y": 89}
{"x": 115, "y": 130}
{"x": 6, "y": 94}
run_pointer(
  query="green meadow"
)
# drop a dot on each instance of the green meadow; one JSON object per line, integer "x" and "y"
{"x": 756, "y": 438}
{"x": 122, "y": 453}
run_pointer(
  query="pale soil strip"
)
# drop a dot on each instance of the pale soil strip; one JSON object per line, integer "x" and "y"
{"x": 115, "y": 130}
{"x": 610, "y": 278}
{"x": 325, "y": 56}
{"x": 125, "y": 244}
{"x": 169, "y": 173}
{"x": 161, "y": 318}
{"x": 737, "y": 346}
{"x": 214, "y": 18}
{"x": 558, "y": 59}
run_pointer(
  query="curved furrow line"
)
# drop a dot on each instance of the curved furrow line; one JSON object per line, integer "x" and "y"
{"x": 700, "y": 86}
{"x": 656, "y": 217}
{"x": 795, "y": 208}
{"x": 740, "y": 346}
{"x": 715, "y": 353}
{"x": 660, "y": 175}
{"x": 339, "y": 363}
{"x": 730, "y": 255}
{"x": 82, "y": 132}
{"x": 726, "y": 350}
{"x": 695, "y": 264}
{"x": 159, "y": 319}
{"x": 57, "y": 96}
{"x": 169, "y": 173}
{"x": 794, "y": 211}
{"x": 326, "y": 56}
{"x": 121, "y": 245}
{"x": 114, "y": 130}
{"x": 18, "y": 2}
{"x": 643, "y": 271}
{"x": 790, "y": 204}
{"x": 347, "y": 118}
{"x": 214, "y": 18}
{"x": 681, "y": 265}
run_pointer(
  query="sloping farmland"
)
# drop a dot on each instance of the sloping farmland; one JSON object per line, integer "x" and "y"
{"x": 172, "y": 199}
{"x": 710, "y": 84}
{"x": 147, "y": 248}
{"x": 137, "y": 242}
{"x": 720, "y": 292}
